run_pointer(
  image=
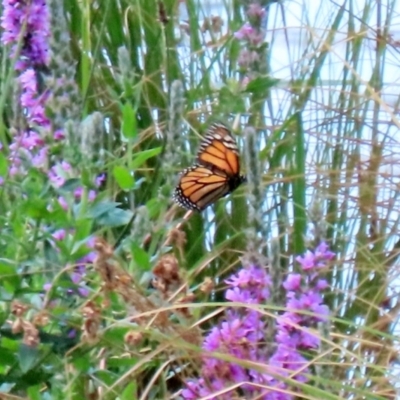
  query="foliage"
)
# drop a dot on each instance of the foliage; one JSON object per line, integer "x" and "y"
{"x": 107, "y": 288}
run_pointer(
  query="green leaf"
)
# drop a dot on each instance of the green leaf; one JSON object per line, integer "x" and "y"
{"x": 102, "y": 208}
{"x": 260, "y": 84}
{"x": 28, "y": 357}
{"x": 123, "y": 177}
{"x": 3, "y": 165}
{"x": 115, "y": 336}
{"x": 107, "y": 378}
{"x": 86, "y": 177}
{"x": 34, "y": 392}
{"x": 36, "y": 208}
{"x": 122, "y": 362}
{"x": 129, "y": 392}
{"x": 154, "y": 207}
{"x": 141, "y": 258}
{"x": 83, "y": 229}
{"x": 7, "y": 359}
{"x": 108, "y": 214}
{"x": 7, "y": 268}
{"x": 143, "y": 156}
{"x": 82, "y": 364}
{"x": 129, "y": 129}
{"x": 115, "y": 217}
{"x": 71, "y": 184}
{"x": 231, "y": 102}
{"x": 9, "y": 286}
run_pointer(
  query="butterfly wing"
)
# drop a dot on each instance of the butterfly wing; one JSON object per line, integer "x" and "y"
{"x": 216, "y": 173}
{"x": 218, "y": 150}
{"x": 200, "y": 186}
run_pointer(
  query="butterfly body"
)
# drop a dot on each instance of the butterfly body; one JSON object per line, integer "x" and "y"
{"x": 216, "y": 173}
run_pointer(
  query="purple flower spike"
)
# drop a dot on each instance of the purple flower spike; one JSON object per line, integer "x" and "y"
{"x": 30, "y": 101}
{"x": 307, "y": 261}
{"x": 26, "y": 28}
{"x": 292, "y": 282}
{"x": 249, "y": 34}
{"x": 31, "y": 20}
{"x": 242, "y": 334}
{"x": 318, "y": 259}
{"x": 244, "y": 32}
{"x": 256, "y": 11}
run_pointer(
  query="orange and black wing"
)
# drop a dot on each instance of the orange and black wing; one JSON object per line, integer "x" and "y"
{"x": 216, "y": 173}
{"x": 200, "y": 186}
{"x": 218, "y": 150}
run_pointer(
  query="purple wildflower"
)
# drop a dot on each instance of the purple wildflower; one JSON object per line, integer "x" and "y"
{"x": 304, "y": 306}
{"x": 250, "y": 34}
{"x": 59, "y": 234}
{"x": 72, "y": 334}
{"x": 317, "y": 259}
{"x": 242, "y": 334}
{"x": 32, "y": 103}
{"x": 77, "y": 277}
{"x": 78, "y": 193}
{"x": 59, "y": 134}
{"x": 248, "y": 58}
{"x": 39, "y": 160}
{"x": 100, "y": 180}
{"x": 92, "y": 195}
{"x": 292, "y": 282}
{"x": 256, "y": 11}
{"x": 27, "y": 150}
{"x": 63, "y": 203}
{"x": 244, "y": 32}
{"x": 28, "y": 21}
{"x": 249, "y": 285}
{"x": 321, "y": 284}
{"x": 239, "y": 336}
{"x": 78, "y": 273}
{"x": 59, "y": 173}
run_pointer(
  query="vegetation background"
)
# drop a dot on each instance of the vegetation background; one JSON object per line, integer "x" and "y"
{"x": 130, "y": 87}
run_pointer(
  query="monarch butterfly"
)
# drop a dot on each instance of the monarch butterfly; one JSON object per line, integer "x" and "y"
{"x": 215, "y": 174}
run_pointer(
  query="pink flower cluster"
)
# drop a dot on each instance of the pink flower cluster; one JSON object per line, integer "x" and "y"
{"x": 252, "y": 35}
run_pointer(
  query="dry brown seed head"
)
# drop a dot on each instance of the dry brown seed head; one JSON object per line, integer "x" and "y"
{"x": 18, "y": 308}
{"x": 133, "y": 338}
